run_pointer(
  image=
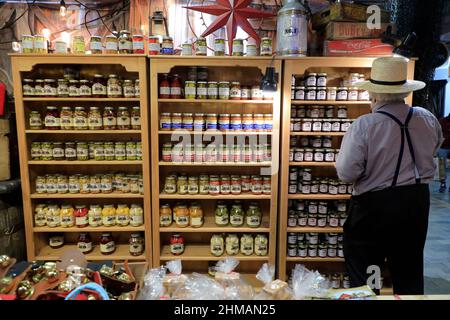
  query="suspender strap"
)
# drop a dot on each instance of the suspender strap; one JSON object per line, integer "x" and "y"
{"x": 403, "y": 132}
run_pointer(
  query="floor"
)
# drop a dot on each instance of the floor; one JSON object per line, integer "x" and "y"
{"x": 437, "y": 247}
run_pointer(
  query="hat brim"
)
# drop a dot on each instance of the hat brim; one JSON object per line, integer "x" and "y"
{"x": 409, "y": 86}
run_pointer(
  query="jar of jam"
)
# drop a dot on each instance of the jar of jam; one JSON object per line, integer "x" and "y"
{"x": 66, "y": 117}
{"x": 219, "y": 47}
{"x": 94, "y": 119}
{"x": 352, "y": 94}
{"x": 217, "y": 245}
{"x": 114, "y": 88}
{"x": 311, "y": 80}
{"x": 256, "y": 93}
{"x": 123, "y": 119}
{"x": 175, "y": 87}
{"x": 125, "y": 42}
{"x": 321, "y": 93}
{"x": 95, "y": 215}
{"x": 128, "y": 89}
{"x": 81, "y": 216}
{"x": 177, "y": 244}
{"x": 331, "y": 93}
{"x": 167, "y": 45}
{"x": 154, "y": 47}
{"x": 109, "y": 119}
{"x": 74, "y": 88}
{"x": 34, "y": 120}
{"x": 310, "y": 93}
{"x": 39, "y": 87}
{"x": 84, "y": 243}
{"x": 95, "y": 45}
{"x": 136, "y": 118}
{"x": 342, "y": 94}
{"x": 85, "y": 89}
{"x": 136, "y": 244}
{"x": 108, "y": 215}
{"x": 138, "y": 44}
{"x": 80, "y": 119}
{"x": 52, "y": 119}
{"x": 322, "y": 79}
{"x": 50, "y": 87}
{"x": 238, "y": 47}
{"x": 99, "y": 85}
{"x": 56, "y": 241}
{"x": 235, "y": 91}
{"x": 107, "y": 244}
{"x": 58, "y": 151}
{"x": 28, "y": 88}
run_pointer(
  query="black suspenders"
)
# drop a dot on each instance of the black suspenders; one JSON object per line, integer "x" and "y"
{"x": 403, "y": 132}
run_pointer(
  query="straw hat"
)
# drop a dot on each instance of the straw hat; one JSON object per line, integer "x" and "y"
{"x": 389, "y": 75}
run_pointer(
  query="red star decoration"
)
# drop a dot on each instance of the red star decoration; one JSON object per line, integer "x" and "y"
{"x": 232, "y": 13}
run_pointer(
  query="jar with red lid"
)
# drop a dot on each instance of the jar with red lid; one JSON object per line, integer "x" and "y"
{"x": 175, "y": 87}
{"x": 107, "y": 244}
{"x": 138, "y": 44}
{"x": 52, "y": 120}
{"x": 164, "y": 87}
{"x": 84, "y": 243}
{"x": 246, "y": 183}
{"x": 177, "y": 244}
{"x": 154, "y": 47}
{"x": 225, "y": 184}
{"x": 81, "y": 216}
{"x": 214, "y": 185}
{"x": 236, "y": 185}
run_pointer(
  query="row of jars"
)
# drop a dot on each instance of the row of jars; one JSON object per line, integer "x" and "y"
{"x": 311, "y": 142}
{"x": 215, "y": 184}
{"x": 313, "y": 155}
{"x": 232, "y": 245}
{"x": 79, "y": 119}
{"x": 99, "y": 87}
{"x": 297, "y": 218}
{"x": 321, "y": 207}
{"x": 99, "y": 183}
{"x": 106, "y": 242}
{"x": 329, "y": 94}
{"x": 315, "y": 245}
{"x": 248, "y": 122}
{"x": 216, "y": 153}
{"x": 302, "y": 182}
{"x": 320, "y": 125}
{"x": 339, "y": 112}
{"x": 84, "y": 151}
{"x": 338, "y": 280}
{"x": 81, "y": 216}
{"x": 200, "y": 48}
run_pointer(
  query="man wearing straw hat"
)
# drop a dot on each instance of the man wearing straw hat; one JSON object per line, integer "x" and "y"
{"x": 388, "y": 156}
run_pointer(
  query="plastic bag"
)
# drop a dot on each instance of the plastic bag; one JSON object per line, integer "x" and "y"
{"x": 273, "y": 289}
{"x": 235, "y": 287}
{"x": 174, "y": 278}
{"x": 153, "y": 288}
{"x": 308, "y": 284}
{"x": 199, "y": 287}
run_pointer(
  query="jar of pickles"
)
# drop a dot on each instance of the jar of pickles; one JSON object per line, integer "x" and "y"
{"x": 224, "y": 90}
{"x": 236, "y": 215}
{"x": 221, "y": 214}
{"x": 95, "y": 215}
{"x": 217, "y": 245}
{"x": 253, "y": 216}
{"x": 247, "y": 245}
{"x": 136, "y": 215}
{"x": 232, "y": 244}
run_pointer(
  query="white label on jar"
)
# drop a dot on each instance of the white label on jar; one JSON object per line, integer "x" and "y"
{"x": 342, "y": 189}
{"x": 321, "y": 95}
{"x": 94, "y": 122}
{"x": 80, "y": 121}
{"x": 256, "y": 93}
{"x": 306, "y": 189}
{"x": 311, "y": 95}
{"x": 292, "y": 252}
{"x": 345, "y": 126}
{"x": 212, "y": 92}
{"x": 311, "y": 81}
{"x": 342, "y": 113}
{"x": 332, "y": 189}
{"x": 81, "y": 221}
{"x": 138, "y": 45}
{"x": 177, "y": 248}
{"x": 107, "y": 247}
{"x": 336, "y": 126}
{"x": 340, "y": 253}
{"x": 363, "y": 95}
{"x": 154, "y": 47}
{"x": 125, "y": 45}
{"x": 331, "y": 95}
{"x": 236, "y": 220}
{"x": 308, "y": 156}
{"x": 85, "y": 246}
{"x": 109, "y": 121}
{"x": 51, "y": 188}
{"x": 312, "y": 208}
{"x": 238, "y": 48}
{"x": 321, "y": 81}
{"x": 322, "y": 222}
{"x": 27, "y": 44}
{"x": 201, "y": 50}
{"x": 318, "y": 156}
{"x": 317, "y": 126}
{"x": 123, "y": 121}
{"x": 95, "y": 45}
{"x": 307, "y": 176}
{"x": 334, "y": 222}
{"x": 114, "y": 90}
{"x": 298, "y": 158}
{"x": 253, "y": 221}
{"x": 329, "y": 157}
{"x": 297, "y": 126}
{"x": 51, "y": 121}
{"x": 136, "y": 220}
{"x": 58, "y": 152}
{"x": 224, "y": 91}
{"x": 136, "y": 248}
{"x": 49, "y": 90}
{"x": 353, "y": 95}
{"x": 302, "y": 252}
{"x": 136, "y": 121}
{"x": 342, "y": 95}
{"x": 106, "y": 187}
{"x": 219, "y": 47}
{"x": 39, "y": 90}
{"x": 312, "y": 252}
{"x": 128, "y": 92}
{"x": 188, "y": 91}
{"x": 251, "y": 51}
{"x": 306, "y": 126}
{"x": 322, "y": 252}
{"x": 40, "y": 44}
{"x": 331, "y": 252}
{"x": 302, "y": 221}
{"x": 98, "y": 89}
{"x": 175, "y": 91}
{"x": 326, "y": 126}
{"x": 66, "y": 121}
{"x": 222, "y": 220}
{"x": 202, "y": 92}
{"x": 111, "y": 45}
{"x": 74, "y": 91}
{"x": 293, "y": 188}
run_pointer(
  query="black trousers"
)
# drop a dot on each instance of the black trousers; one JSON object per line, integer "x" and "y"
{"x": 388, "y": 225}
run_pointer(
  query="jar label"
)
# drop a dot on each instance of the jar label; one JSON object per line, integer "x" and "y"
{"x": 336, "y": 127}
{"x": 80, "y": 121}
{"x": 107, "y": 247}
{"x": 318, "y": 157}
{"x": 95, "y": 122}
{"x": 136, "y": 248}
{"x": 331, "y": 95}
{"x": 331, "y": 252}
{"x": 81, "y": 221}
{"x": 66, "y": 121}
{"x": 51, "y": 121}
{"x": 175, "y": 91}
{"x": 322, "y": 222}
{"x": 128, "y": 92}
{"x": 125, "y": 45}
{"x": 182, "y": 220}
{"x": 136, "y": 220}
{"x": 213, "y": 92}
{"x": 222, "y": 220}
{"x": 253, "y": 221}
{"x": 85, "y": 90}
{"x": 256, "y": 93}
{"x": 138, "y": 45}
{"x": 177, "y": 248}
{"x": 98, "y": 89}
{"x": 85, "y": 246}
{"x": 49, "y": 90}
{"x": 225, "y": 92}
{"x": 321, "y": 95}
{"x": 303, "y": 221}
{"x": 203, "y": 92}
{"x": 27, "y": 90}
{"x": 332, "y": 190}
{"x": 74, "y": 91}
{"x": 109, "y": 121}
{"x": 122, "y": 219}
{"x": 165, "y": 220}
{"x": 342, "y": 95}
{"x": 123, "y": 121}
{"x": 322, "y": 253}
{"x": 114, "y": 90}
{"x": 96, "y": 45}
{"x": 321, "y": 81}
{"x": 334, "y": 222}
{"x": 245, "y": 94}
{"x": 109, "y": 220}
{"x": 196, "y": 221}
{"x": 236, "y": 220}
{"x": 190, "y": 91}
{"x": 342, "y": 113}
{"x": 154, "y": 47}
{"x": 39, "y": 90}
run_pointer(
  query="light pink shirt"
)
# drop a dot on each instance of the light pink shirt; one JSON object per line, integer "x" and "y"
{"x": 370, "y": 149}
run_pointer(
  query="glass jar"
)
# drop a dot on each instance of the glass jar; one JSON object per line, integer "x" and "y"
{"x": 200, "y": 47}
{"x": 125, "y": 42}
{"x": 167, "y": 45}
{"x": 122, "y": 215}
{"x": 95, "y": 215}
{"x": 342, "y": 112}
{"x": 50, "y": 87}
{"x": 95, "y": 45}
{"x": 56, "y": 241}
{"x": 108, "y": 215}
{"x": 52, "y": 120}
{"x": 177, "y": 244}
{"x": 120, "y": 152}
{"x": 67, "y": 216}
{"x": 78, "y": 45}
{"x": 80, "y": 119}
{"x": 221, "y": 214}
{"x": 130, "y": 148}
{"x": 238, "y": 47}
{"x": 40, "y": 213}
{"x": 353, "y": 94}
{"x": 311, "y": 79}
{"x": 235, "y": 91}
{"x": 219, "y": 47}
{"x": 299, "y": 93}
{"x": 123, "y": 119}
{"x": 39, "y": 87}
{"x": 232, "y": 244}
{"x": 321, "y": 93}
{"x": 165, "y": 215}
{"x": 342, "y": 94}
{"x": 74, "y": 88}
{"x": 107, "y": 244}
{"x": 53, "y": 216}
{"x": 181, "y": 215}
{"x": 81, "y": 216}
{"x": 182, "y": 185}
{"x": 196, "y": 216}
{"x": 112, "y": 45}
{"x": 175, "y": 87}
{"x": 261, "y": 245}
{"x": 99, "y": 86}
{"x": 217, "y": 246}
{"x": 109, "y": 119}
{"x": 136, "y": 244}
{"x": 136, "y": 215}
{"x": 322, "y": 79}
{"x": 85, "y": 90}
{"x": 310, "y": 93}
{"x": 28, "y": 88}
{"x": 253, "y": 216}
{"x": 128, "y": 89}
{"x": 190, "y": 90}
{"x": 114, "y": 88}
{"x": 335, "y": 125}
{"x": 202, "y": 90}
{"x": 35, "y": 120}
{"x": 138, "y": 44}
{"x": 66, "y": 118}
{"x": 256, "y": 93}
{"x": 247, "y": 245}
{"x": 213, "y": 90}
{"x": 84, "y": 243}
{"x": 137, "y": 89}
{"x": 58, "y": 151}
{"x": 94, "y": 119}
{"x": 331, "y": 93}
{"x": 154, "y": 47}
{"x": 224, "y": 90}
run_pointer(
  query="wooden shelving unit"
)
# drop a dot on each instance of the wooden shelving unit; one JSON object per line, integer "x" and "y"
{"x": 197, "y": 240}
{"x": 51, "y": 66}
{"x": 335, "y": 68}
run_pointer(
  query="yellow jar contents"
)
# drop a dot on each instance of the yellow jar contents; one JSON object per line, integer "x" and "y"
{"x": 165, "y": 215}
{"x": 109, "y": 215}
{"x": 136, "y": 215}
{"x": 196, "y": 216}
{"x": 67, "y": 216}
{"x": 181, "y": 216}
{"x": 122, "y": 215}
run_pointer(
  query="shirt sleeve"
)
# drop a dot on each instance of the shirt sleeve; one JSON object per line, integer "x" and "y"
{"x": 351, "y": 162}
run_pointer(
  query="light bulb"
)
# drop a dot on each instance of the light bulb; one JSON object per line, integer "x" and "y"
{"x": 62, "y": 8}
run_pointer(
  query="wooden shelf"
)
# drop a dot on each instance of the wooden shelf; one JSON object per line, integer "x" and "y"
{"x": 315, "y": 259}
{"x": 68, "y": 99}
{"x": 315, "y": 229}
{"x": 209, "y": 226}
{"x": 328, "y": 103}
{"x": 216, "y": 164}
{"x": 202, "y": 253}
{"x": 84, "y": 163}
{"x": 214, "y": 101}
{"x": 121, "y": 253}
{"x": 312, "y": 164}
{"x": 217, "y": 197}
{"x": 211, "y": 133}
{"x": 89, "y": 229}
{"x": 319, "y": 196}
{"x": 113, "y": 195}
{"x": 309, "y": 133}
{"x": 83, "y": 131}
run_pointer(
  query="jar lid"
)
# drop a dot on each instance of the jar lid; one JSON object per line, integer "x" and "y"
{"x": 98, "y": 76}
{"x": 136, "y": 108}
{"x": 322, "y": 74}
{"x": 79, "y": 108}
{"x": 84, "y": 81}
{"x": 39, "y": 80}
{"x": 322, "y": 88}
{"x": 123, "y": 108}
{"x": 188, "y": 81}
{"x": 311, "y": 88}
{"x": 212, "y": 82}
{"x": 176, "y": 114}
{"x": 312, "y": 74}
{"x": 73, "y": 81}
{"x": 96, "y": 37}
{"x": 202, "y": 82}
{"x": 128, "y": 81}
{"x": 52, "y": 108}
{"x": 343, "y": 88}
{"x": 224, "y": 82}
{"x": 49, "y": 80}
{"x": 112, "y": 76}
{"x": 187, "y": 114}
{"x": 93, "y": 108}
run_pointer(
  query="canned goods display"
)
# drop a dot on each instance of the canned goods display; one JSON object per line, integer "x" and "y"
{"x": 307, "y": 184}
{"x": 313, "y": 214}
{"x": 321, "y": 245}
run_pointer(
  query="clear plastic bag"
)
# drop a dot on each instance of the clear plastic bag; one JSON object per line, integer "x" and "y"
{"x": 153, "y": 288}
{"x": 174, "y": 278}
{"x": 235, "y": 287}
{"x": 308, "y": 284}
{"x": 273, "y": 289}
{"x": 199, "y": 287}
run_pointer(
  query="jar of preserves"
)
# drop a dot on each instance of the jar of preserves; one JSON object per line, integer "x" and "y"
{"x": 247, "y": 122}
{"x": 213, "y": 90}
{"x": 165, "y": 215}
{"x": 196, "y": 216}
{"x": 40, "y": 185}
{"x": 363, "y": 95}
{"x": 109, "y": 119}
{"x": 81, "y": 216}
{"x": 225, "y": 184}
{"x": 335, "y": 125}
{"x": 106, "y": 183}
{"x": 108, "y": 215}
{"x": 137, "y": 88}
{"x": 246, "y": 93}
{"x": 342, "y": 94}
{"x": 193, "y": 185}
{"x": 40, "y": 215}
{"x": 200, "y": 47}
{"x": 175, "y": 87}
{"x": 51, "y": 183}
{"x": 247, "y": 245}
{"x": 138, "y": 44}
{"x": 95, "y": 121}
{"x": 238, "y": 47}
{"x": 122, "y": 215}
{"x": 50, "y": 87}
{"x": 113, "y": 88}
{"x": 74, "y": 88}
{"x": 310, "y": 93}
{"x": 128, "y": 89}
{"x": 211, "y": 121}
{"x": 131, "y": 150}
{"x": 84, "y": 243}
{"x": 342, "y": 112}
{"x": 53, "y": 216}
{"x": 136, "y": 244}
{"x": 56, "y": 241}
{"x": 331, "y": 93}
{"x": 78, "y": 45}
{"x": 232, "y": 244}
{"x": 352, "y": 94}
{"x": 322, "y": 79}
{"x": 167, "y": 152}
{"x": 123, "y": 119}
{"x": 66, "y": 118}
{"x": 253, "y": 216}
{"x": 190, "y": 90}
{"x": 164, "y": 87}
{"x": 217, "y": 245}
{"x": 35, "y": 120}
{"x": 67, "y": 216}
{"x": 95, "y": 215}
{"x": 311, "y": 79}
{"x": 95, "y": 45}
{"x": 236, "y": 215}
{"x": 256, "y": 93}
{"x": 266, "y": 46}
{"x": 74, "y": 184}
{"x": 52, "y": 119}
{"x": 235, "y": 91}
{"x": 224, "y": 90}
{"x": 187, "y": 122}
{"x": 165, "y": 121}
{"x": 28, "y": 88}
{"x": 252, "y": 50}
{"x": 62, "y": 184}
{"x": 186, "y": 49}
{"x": 107, "y": 244}
{"x": 58, "y": 151}
{"x": 80, "y": 119}
{"x": 170, "y": 185}
{"x": 154, "y": 46}
{"x": 111, "y": 44}
{"x": 99, "y": 86}
{"x": 39, "y": 87}
{"x": 85, "y": 89}
{"x": 219, "y": 47}
{"x": 221, "y": 214}
{"x": 42, "y": 151}
{"x": 177, "y": 244}
{"x": 125, "y": 42}
{"x": 136, "y": 215}
{"x": 321, "y": 93}
{"x": 167, "y": 46}
{"x": 181, "y": 215}
{"x": 256, "y": 185}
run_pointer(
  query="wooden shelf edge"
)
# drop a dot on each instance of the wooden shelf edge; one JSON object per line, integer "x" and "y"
{"x": 215, "y": 101}
{"x": 87, "y": 163}
{"x": 318, "y": 197}
{"x": 315, "y": 229}
{"x": 313, "y": 164}
{"x": 328, "y": 102}
{"x": 217, "y": 197}
{"x": 310, "y": 259}
{"x": 87, "y": 196}
{"x": 89, "y": 229}
{"x": 217, "y": 164}
{"x": 208, "y": 133}
{"x": 83, "y": 131}
{"x": 310, "y": 133}
{"x": 68, "y": 99}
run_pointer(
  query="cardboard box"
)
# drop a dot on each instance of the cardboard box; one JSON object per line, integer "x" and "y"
{"x": 356, "y": 47}
{"x": 5, "y": 169}
{"x": 352, "y": 30}
{"x": 345, "y": 12}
